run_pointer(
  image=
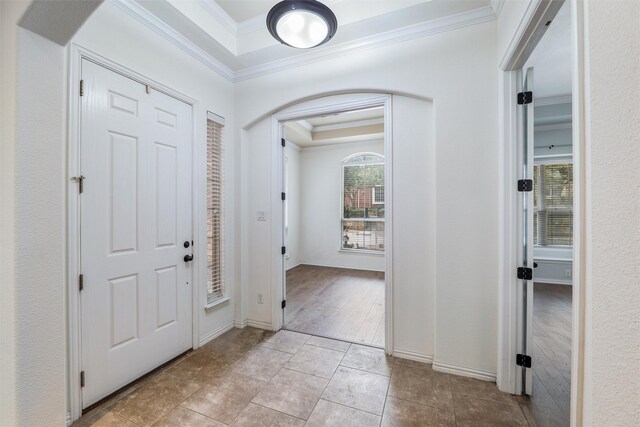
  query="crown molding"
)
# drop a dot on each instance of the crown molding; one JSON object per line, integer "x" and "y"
{"x": 552, "y": 100}
{"x": 448, "y": 23}
{"x": 220, "y": 15}
{"x": 496, "y": 5}
{"x": 305, "y": 124}
{"x": 145, "y": 17}
{"x": 348, "y": 125}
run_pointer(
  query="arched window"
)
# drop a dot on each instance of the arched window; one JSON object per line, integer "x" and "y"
{"x": 363, "y": 203}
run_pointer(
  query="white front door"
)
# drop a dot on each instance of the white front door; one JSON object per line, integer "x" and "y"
{"x": 135, "y": 213}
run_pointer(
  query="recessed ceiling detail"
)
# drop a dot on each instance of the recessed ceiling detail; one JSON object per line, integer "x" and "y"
{"x": 340, "y": 128}
{"x": 231, "y": 37}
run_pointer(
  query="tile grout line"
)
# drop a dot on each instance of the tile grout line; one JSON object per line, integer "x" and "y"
{"x": 386, "y": 397}
{"x": 329, "y": 381}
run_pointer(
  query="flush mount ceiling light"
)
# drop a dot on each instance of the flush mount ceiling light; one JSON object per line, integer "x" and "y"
{"x": 302, "y": 23}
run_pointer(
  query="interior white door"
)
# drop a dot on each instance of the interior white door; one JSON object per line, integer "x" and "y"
{"x": 135, "y": 217}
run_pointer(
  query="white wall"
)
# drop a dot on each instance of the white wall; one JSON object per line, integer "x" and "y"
{"x": 461, "y": 78}
{"x": 612, "y": 334}
{"x": 33, "y": 225}
{"x": 34, "y": 194}
{"x": 294, "y": 182}
{"x": 9, "y": 16}
{"x": 321, "y": 229}
{"x": 559, "y": 138}
{"x": 547, "y": 133}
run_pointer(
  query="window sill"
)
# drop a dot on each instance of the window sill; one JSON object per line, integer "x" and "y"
{"x": 215, "y": 303}
{"x": 361, "y": 251}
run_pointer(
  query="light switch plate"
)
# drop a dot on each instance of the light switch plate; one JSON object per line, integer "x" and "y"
{"x": 262, "y": 216}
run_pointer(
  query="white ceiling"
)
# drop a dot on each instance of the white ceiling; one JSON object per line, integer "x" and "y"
{"x": 241, "y": 10}
{"x": 231, "y": 37}
{"x": 551, "y": 59}
{"x": 350, "y": 126}
{"x": 347, "y": 10}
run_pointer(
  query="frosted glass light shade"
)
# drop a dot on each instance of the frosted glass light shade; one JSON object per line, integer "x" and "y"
{"x": 301, "y": 24}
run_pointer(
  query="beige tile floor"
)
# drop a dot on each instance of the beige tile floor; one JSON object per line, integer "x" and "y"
{"x": 250, "y": 377}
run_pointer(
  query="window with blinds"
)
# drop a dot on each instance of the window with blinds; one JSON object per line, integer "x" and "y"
{"x": 363, "y": 202}
{"x": 215, "y": 131}
{"x": 553, "y": 204}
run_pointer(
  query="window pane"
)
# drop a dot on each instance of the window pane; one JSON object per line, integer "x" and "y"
{"x": 363, "y": 202}
{"x": 553, "y": 203}
{"x": 360, "y": 182}
{"x": 214, "y": 211}
{"x": 366, "y": 235}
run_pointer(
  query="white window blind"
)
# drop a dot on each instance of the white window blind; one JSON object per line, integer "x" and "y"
{"x": 363, "y": 202}
{"x": 215, "y": 131}
{"x": 553, "y": 203}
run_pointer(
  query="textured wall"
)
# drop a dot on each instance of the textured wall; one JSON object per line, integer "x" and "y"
{"x": 320, "y": 207}
{"x": 39, "y": 227}
{"x": 457, "y": 69}
{"x": 613, "y": 289}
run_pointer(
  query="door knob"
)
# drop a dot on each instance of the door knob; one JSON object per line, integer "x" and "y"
{"x": 188, "y": 258}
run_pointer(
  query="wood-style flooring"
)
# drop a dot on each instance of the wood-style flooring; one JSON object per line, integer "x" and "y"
{"x": 549, "y": 403}
{"x": 336, "y": 303}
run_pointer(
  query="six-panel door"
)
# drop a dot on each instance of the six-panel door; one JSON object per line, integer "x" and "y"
{"x": 135, "y": 215}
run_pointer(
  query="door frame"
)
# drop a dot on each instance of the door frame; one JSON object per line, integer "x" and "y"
{"x": 524, "y": 41}
{"x": 77, "y": 54}
{"x": 368, "y": 100}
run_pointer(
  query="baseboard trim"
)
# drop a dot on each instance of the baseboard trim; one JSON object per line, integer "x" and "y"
{"x": 240, "y": 324}
{"x": 412, "y": 355}
{"x": 68, "y": 420}
{"x": 260, "y": 324}
{"x": 294, "y": 266}
{"x": 463, "y": 371}
{"x": 216, "y": 333}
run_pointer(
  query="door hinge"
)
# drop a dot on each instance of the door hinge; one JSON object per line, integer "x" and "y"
{"x": 282, "y": 142}
{"x": 284, "y": 303}
{"x": 81, "y": 378}
{"x": 523, "y": 360}
{"x": 81, "y": 282}
{"x": 80, "y": 181}
{"x": 283, "y": 250}
{"x": 81, "y": 87}
{"x": 525, "y": 98}
{"x": 525, "y": 273}
{"x": 525, "y": 185}
{"x": 283, "y": 196}
{"x": 147, "y": 88}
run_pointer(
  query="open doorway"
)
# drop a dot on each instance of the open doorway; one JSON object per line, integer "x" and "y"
{"x": 549, "y": 161}
{"x": 334, "y": 226}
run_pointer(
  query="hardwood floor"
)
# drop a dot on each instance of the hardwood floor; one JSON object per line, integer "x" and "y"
{"x": 549, "y": 403}
{"x": 336, "y": 303}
